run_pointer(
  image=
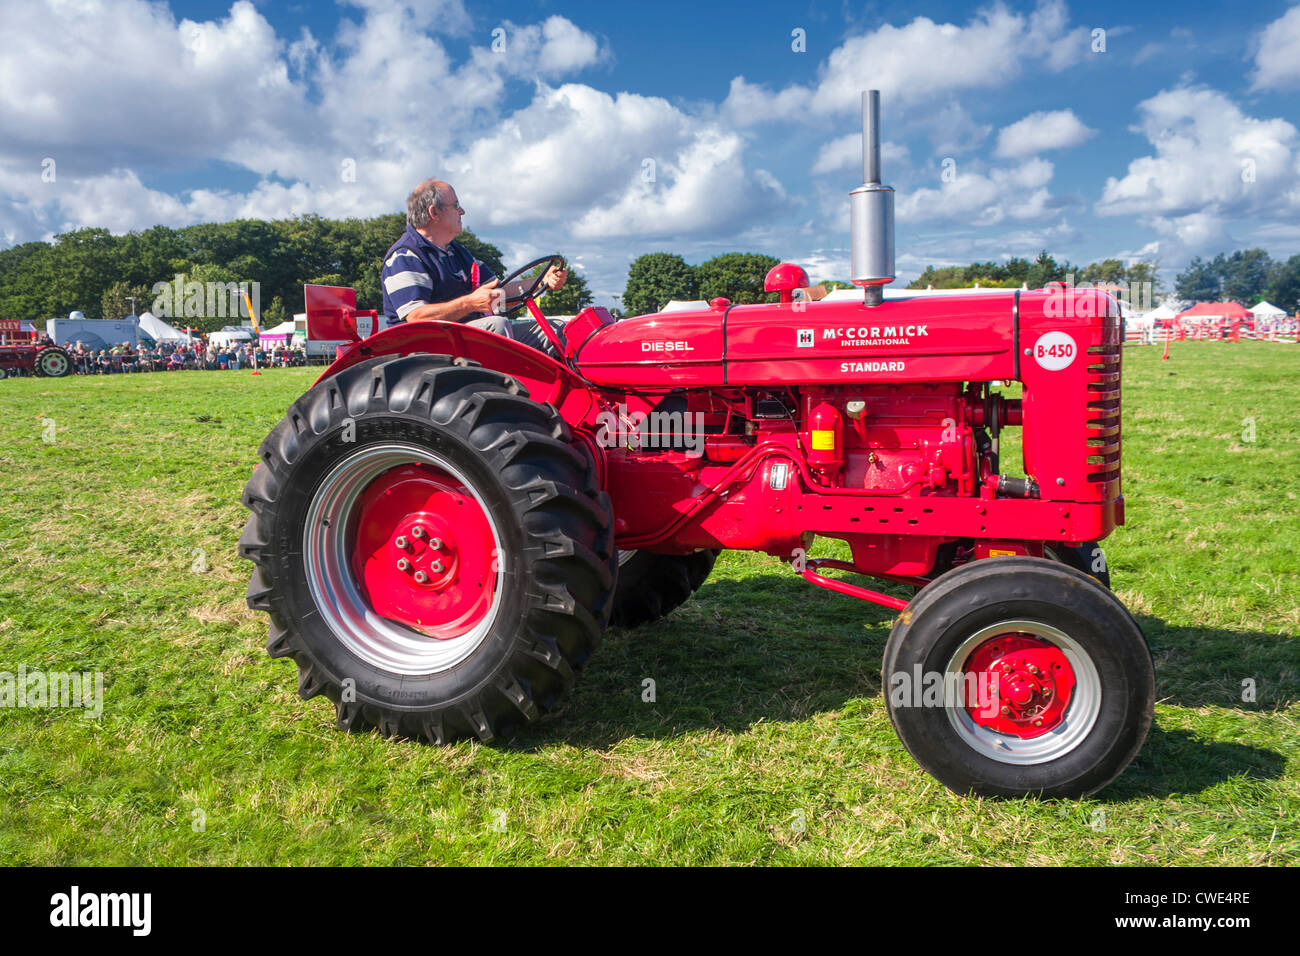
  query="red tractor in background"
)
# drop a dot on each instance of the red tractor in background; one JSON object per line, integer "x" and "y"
{"x": 444, "y": 525}
{"x": 21, "y": 352}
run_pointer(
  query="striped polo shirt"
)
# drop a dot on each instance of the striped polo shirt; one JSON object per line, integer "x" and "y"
{"x": 416, "y": 271}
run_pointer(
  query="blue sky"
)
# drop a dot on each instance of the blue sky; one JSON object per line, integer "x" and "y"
{"x": 607, "y": 130}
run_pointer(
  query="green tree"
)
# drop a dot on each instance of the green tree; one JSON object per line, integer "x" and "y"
{"x": 1199, "y": 282}
{"x": 1108, "y": 272}
{"x": 737, "y": 276}
{"x": 656, "y": 278}
{"x": 1246, "y": 276}
{"x": 945, "y": 277}
{"x": 484, "y": 252}
{"x": 1284, "y": 285}
{"x": 273, "y": 314}
{"x": 572, "y": 299}
{"x": 115, "y": 302}
{"x": 1045, "y": 269}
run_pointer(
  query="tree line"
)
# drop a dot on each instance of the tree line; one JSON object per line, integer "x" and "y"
{"x": 99, "y": 273}
{"x": 1245, "y": 277}
{"x": 1038, "y": 272}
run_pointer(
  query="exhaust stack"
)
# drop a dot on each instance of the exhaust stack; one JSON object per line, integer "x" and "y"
{"x": 871, "y": 213}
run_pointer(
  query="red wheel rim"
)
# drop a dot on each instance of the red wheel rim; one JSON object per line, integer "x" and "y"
{"x": 1022, "y": 685}
{"x": 434, "y": 612}
{"x": 423, "y": 552}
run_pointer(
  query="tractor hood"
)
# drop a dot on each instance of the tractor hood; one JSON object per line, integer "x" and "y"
{"x": 960, "y": 337}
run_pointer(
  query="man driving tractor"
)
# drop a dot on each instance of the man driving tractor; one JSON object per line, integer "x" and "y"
{"x": 428, "y": 275}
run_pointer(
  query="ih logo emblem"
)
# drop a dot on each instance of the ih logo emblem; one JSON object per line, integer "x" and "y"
{"x": 806, "y": 338}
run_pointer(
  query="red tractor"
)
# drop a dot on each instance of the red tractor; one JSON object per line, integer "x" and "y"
{"x": 27, "y": 355}
{"x": 444, "y": 525}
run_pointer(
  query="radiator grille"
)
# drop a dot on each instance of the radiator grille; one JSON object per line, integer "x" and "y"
{"x": 1103, "y": 408}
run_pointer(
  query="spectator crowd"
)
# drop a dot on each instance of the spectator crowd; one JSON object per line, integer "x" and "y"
{"x": 167, "y": 357}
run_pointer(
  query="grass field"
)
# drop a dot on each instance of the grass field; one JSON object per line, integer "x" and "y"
{"x": 768, "y": 741}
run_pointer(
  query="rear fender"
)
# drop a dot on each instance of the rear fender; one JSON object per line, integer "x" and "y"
{"x": 546, "y": 379}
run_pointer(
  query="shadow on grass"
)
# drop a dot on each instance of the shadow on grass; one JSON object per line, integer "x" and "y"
{"x": 770, "y": 648}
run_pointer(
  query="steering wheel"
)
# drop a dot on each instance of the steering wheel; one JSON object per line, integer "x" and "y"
{"x": 515, "y": 301}
{"x": 528, "y": 297}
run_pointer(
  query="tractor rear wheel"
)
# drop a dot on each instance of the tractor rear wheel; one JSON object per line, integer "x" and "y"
{"x": 1016, "y": 676}
{"x": 651, "y": 586}
{"x": 431, "y": 547}
{"x": 52, "y": 362}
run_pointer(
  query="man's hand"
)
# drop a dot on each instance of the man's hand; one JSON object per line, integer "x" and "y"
{"x": 555, "y": 278}
{"x": 486, "y": 298}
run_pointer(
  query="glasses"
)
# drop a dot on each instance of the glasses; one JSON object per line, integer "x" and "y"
{"x": 456, "y": 206}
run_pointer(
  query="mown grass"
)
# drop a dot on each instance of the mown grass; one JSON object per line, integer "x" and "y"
{"x": 768, "y": 741}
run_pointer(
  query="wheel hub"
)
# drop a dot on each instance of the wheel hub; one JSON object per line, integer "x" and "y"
{"x": 1025, "y": 684}
{"x": 424, "y": 551}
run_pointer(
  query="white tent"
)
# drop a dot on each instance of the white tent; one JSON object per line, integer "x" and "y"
{"x": 160, "y": 331}
{"x": 280, "y": 335}
{"x": 1267, "y": 310}
{"x": 232, "y": 335}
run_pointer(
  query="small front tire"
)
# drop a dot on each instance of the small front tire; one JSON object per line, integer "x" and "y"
{"x": 1043, "y": 683}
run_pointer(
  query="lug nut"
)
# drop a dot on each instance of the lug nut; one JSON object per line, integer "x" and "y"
{"x": 1006, "y": 711}
{"x": 417, "y": 531}
{"x": 436, "y": 567}
{"x": 420, "y": 577}
{"x": 403, "y": 564}
{"x": 1038, "y": 723}
{"x": 435, "y": 543}
{"x": 1033, "y": 669}
{"x": 1047, "y": 692}
{"x": 400, "y": 542}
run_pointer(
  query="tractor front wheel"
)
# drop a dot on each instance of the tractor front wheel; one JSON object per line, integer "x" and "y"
{"x": 1019, "y": 676}
{"x": 431, "y": 547}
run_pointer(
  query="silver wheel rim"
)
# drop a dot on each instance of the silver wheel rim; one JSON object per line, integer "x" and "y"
{"x": 327, "y": 555}
{"x": 53, "y": 364}
{"x": 1080, "y": 716}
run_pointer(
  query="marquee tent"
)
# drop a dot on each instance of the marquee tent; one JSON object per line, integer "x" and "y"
{"x": 160, "y": 331}
{"x": 1267, "y": 310}
{"x": 1212, "y": 311}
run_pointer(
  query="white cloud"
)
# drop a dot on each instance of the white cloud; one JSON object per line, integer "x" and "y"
{"x": 1277, "y": 59}
{"x": 551, "y": 49}
{"x": 845, "y": 152}
{"x": 1207, "y": 152}
{"x": 633, "y": 165}
{"x": 184, "y": 89}
{"x": 919, "y": 61}
{"x": 185, "y": 92}
{"x": 1195, "y": 231}
{"x": 981, "y": 198}
{"x": 1041, "y": 131}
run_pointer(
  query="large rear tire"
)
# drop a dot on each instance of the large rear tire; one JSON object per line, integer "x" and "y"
{"x": 651, "y": 586}
{"x": 431, "y": 547}
{"x": 52, "y": 362}
{"x": 1045, "y": 684}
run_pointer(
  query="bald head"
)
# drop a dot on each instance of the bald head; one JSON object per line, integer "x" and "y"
{"x": 431, "y": 192}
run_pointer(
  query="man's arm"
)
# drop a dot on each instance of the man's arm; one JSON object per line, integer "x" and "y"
{"x": 410, "y": 288}
{"x": 467, "y": 307}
